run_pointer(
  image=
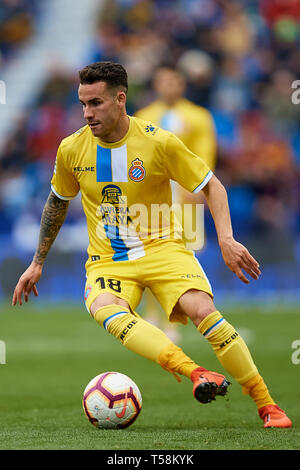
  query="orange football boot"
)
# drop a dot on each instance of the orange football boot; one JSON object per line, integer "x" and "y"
{"x": 207, "y": 385}
{"x": 274, "y": 417}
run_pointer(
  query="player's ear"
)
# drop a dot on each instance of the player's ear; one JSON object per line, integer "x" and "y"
{"x": 121, "y": 97}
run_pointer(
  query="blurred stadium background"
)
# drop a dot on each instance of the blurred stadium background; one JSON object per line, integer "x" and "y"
{"x": 240, "y": 59}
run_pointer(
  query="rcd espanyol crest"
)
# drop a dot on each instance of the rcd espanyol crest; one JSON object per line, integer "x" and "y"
{"x": 137, "y": 172}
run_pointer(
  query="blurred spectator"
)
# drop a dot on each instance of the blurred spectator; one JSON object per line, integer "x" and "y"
{"x": 277, "y": 104}
{"x": 233, "y": 35}
{"x": 231, "y": 92}
{"x": 274, "y": 10}
{"x": 17, "y": 18}
{"x": 172, "y": 111}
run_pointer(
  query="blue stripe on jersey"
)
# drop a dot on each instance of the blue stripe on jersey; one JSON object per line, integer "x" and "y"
{"x": 103, "y": 165}
{"x": 117, "y": 244}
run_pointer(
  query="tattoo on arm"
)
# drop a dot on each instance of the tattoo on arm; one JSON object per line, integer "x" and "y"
{"x": 53, "y": 217}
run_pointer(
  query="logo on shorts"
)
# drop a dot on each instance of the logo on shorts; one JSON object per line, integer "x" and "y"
{"x": 192, "y": 276}
{"x": 137, "y": 172}
{"x": 87, "y": 291}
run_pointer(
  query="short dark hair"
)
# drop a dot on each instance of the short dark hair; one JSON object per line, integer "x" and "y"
{"x": 113, "y": 74}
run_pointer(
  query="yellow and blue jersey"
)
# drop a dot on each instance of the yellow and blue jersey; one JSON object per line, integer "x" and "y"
{"x": 121, "y": 183}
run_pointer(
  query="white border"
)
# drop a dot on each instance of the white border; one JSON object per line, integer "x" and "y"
{"x": 204, "y": 182}
{"x": 64, "y": 198}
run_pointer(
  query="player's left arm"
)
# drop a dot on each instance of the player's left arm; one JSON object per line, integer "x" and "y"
{"x": 235, "y": 255}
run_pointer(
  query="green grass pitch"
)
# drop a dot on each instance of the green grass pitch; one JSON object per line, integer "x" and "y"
{"x": 53, "y": 352}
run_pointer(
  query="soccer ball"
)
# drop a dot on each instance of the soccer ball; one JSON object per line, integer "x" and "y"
{"x": 112, "y": 401}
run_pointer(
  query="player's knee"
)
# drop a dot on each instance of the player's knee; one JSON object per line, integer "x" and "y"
{"x": 104, "y": 300}
{"x": 197, "y": 305}
{"x": 201, "y": 312}
{"x": 203, "y": 307}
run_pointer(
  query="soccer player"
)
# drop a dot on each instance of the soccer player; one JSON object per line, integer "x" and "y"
{"x": 193, "y": 125}
{"x": 171, "y": 111}
{"x": 123, "y": 166}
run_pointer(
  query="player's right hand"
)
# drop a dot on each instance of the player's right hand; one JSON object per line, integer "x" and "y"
{"x": 27, "y": 283}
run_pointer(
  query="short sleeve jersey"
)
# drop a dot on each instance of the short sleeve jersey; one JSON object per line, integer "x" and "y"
{"x": 125, "y": 186}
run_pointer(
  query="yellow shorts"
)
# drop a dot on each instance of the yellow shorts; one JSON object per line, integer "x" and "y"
{"x": 168, "y": 269}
